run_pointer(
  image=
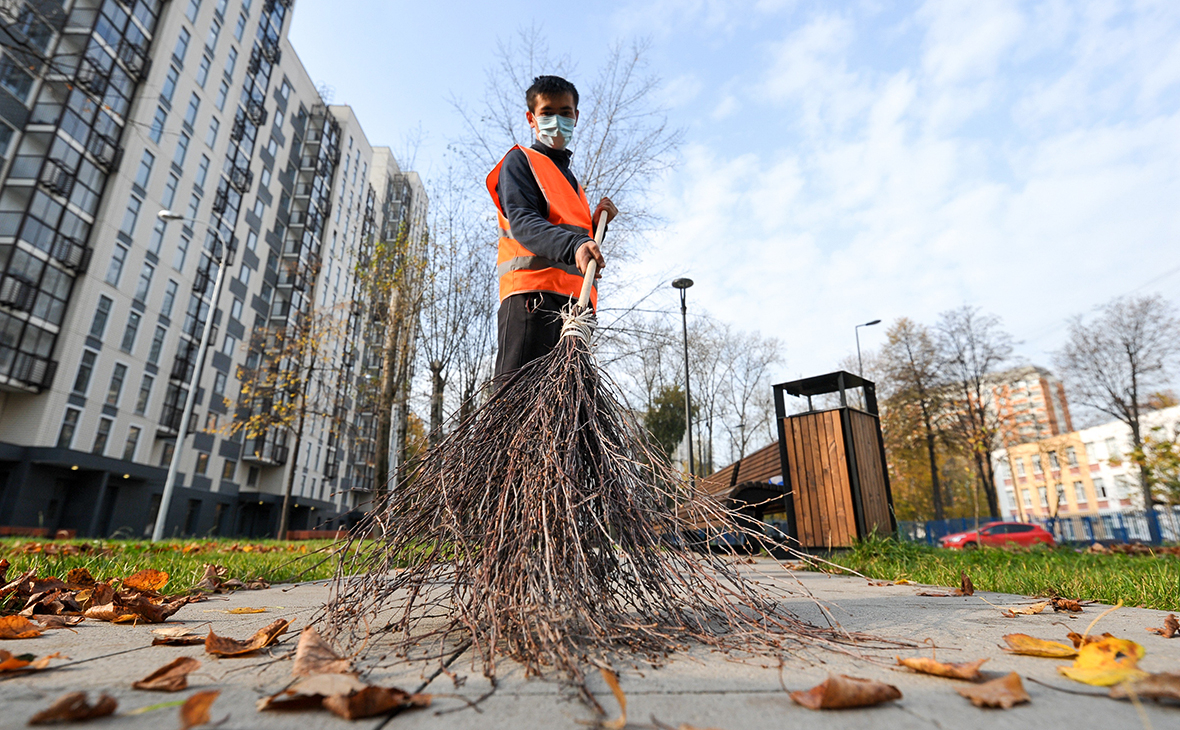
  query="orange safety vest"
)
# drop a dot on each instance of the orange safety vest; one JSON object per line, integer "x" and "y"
{"x": 520, "y": 269}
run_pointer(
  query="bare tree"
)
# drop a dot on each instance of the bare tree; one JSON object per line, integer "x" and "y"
{"x": 747, "y": 393}
{"x": 910, "y": 362}
{"x": 972, "y": 346}
{"x": 622, "y": 143}
{"x": 1115, "y": 362}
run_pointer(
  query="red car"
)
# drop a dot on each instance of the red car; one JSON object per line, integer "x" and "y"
{"x": 998, "y": 534}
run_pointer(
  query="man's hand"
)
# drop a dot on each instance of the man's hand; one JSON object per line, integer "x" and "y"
{"x": 589, "y": 250}
{"x": 604, "y": 206}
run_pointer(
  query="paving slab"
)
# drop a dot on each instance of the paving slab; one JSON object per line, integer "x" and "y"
{"x": 702, "y": 689}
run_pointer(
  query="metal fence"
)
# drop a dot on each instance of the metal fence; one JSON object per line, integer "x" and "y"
{"x": 1113, "y": 527}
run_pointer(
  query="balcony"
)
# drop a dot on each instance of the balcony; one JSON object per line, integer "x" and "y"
{"x": 269, "y": 449}
{"x": 17, "y": 293}
{"x": 241, "y": 178}
{"x": 255, "y": 111}
{"x": 57, "y": 178}
{"x": 71, "y": 253}
{"x": 135, "y": 59}
{"x": 91, "y": 78}
{"x": 220, "y": 201}
{"x": 239, "y": 129}
{"x": 27, "y": 371}
{"x": 104, "y": 149}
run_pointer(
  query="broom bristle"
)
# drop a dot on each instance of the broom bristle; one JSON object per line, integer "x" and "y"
{"x": 547, "y": 529}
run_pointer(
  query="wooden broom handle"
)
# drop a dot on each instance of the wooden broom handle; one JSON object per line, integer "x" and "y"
{"x": 592, "y": 267}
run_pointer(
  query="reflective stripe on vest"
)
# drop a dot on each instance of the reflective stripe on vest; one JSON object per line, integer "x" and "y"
{"x": 519, "y": 269}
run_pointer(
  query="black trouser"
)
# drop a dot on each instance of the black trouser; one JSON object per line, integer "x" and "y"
{"x": 529, "y": 326}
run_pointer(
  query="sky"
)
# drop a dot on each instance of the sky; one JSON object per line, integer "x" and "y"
{"x": 842, "y": 161}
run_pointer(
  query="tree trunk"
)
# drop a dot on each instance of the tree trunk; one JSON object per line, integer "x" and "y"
{"x": 987, "y": 479}
{"x": 385, "y": 400}
{"x": 285, "y": 516}
{"x": 935, "y": 487}
{"x": 437, "y": 383}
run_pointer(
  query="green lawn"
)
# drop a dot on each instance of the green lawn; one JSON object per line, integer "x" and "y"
{"x": 183, "y": 560}
{"x": 1136, "y": 580}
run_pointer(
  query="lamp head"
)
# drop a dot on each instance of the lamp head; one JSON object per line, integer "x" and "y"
{"x": 870, "y": 324}
{"x": 682, "y": 283}
{"x": 167, "y": 215}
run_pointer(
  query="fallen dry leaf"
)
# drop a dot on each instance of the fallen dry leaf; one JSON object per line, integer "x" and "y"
{"x": 264, "y": 637}
{"x": 74, "y": 707}
{"x": 80, "y": 577}
{"x": 880, "y": 583}
{"x": 246, "y": 610}
{"x": 934, "y": 594}
{"x": 13, "y": 586}
{"x": 612, "y": 681}
{"x": 966, "y": 587}
{"x": 1003, "y": 692}
{"x": 135, "y": 607}
{"x": 18, "y": 627}
{"x": 309, "y": 693}
{"x": 841, "y": 691}
{"x": 25, "y": 662}
{"x": 178, "y": 640}
{"x": 1162, "y": 686}
{"x": 149, "y": 579}
{"x": 1025, "y": 610}
{"x": 1029, "y": 646}
{"x": 313, "y": 655}
{"x": 195, "y": 710}
{"x": 372, "y": 701}
{"x": 57, "y": 622}
{"x": 962, "y": 670}
{"x": 211, "y": 581}
{"x": 4, "y": 566}
{"x": 1106, "y": 662}
{"x": 1170, "y": 629}
{"x": 172, "y": 677}
{"x": 1066, "y": 604}
{"x": 1078, "y": 639}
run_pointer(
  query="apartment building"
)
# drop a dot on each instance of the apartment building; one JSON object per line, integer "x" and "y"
{"x": 112, "y": 111}
{"x": 1030, "y": 404}
{"x": 1085, "y": 472}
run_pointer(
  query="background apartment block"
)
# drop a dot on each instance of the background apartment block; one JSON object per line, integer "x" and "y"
{"x": 1030, "y": 404}
{"x": 112, "y": 111}
{"x": 1085, "y": 472}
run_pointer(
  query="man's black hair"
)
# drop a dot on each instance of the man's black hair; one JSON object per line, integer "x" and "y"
{"x": 549, "y": 86}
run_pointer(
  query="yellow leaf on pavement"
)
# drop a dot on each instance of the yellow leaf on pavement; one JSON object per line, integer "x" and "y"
{"x": 1106, "y": 662}
{"x": 1003, "y": 692}
{"x": 246, "y": 610}
{"x": 925, "y": 665}
{"x": 1029, "y": 646}
{"x": 146, "y": 580}
{"x": 1026, "y": 610}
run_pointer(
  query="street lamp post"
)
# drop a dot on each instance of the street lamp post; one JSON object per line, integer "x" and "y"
{"x": 194, "y": 382}
{"x": 682, "y": 284}
{"x": 861, "y": 363}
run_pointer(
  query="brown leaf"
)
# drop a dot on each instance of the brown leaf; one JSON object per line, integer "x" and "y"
{"x": 1029, "y": 646}
{"x": 1162, "y": 686}
{"x": 309, "y": 693}
{"x": 25, "y": 662}
{"x": 246, "y": 610}
{"x": 109, "y": 612}
{"x": 264, "y": 637}
{"x": 15, "y": 586}
{"x": 134, "y": 607}
{"x": 57, "y": 622}
{"x": 211, "y": 581}
{"x": 1003, "y": 692}
{"x": 172, "y": 677}
{"x": 195, "y": 710}
{"x": 1078, "y": 639}
{"x": 80, "y": 578}
{"x": 1170, "y": 629}
{"x": 4, "y": 566}
{"x": 841, "y": 691}
{"x": 74, "y": 707}
{"x": 149, "y": 579}
{"x": 1025, "y": 610}
{"x": 962, "y": 670}
{"x": 966, "y": 587}
{"x": 1066, "y": 604}
{"x": 372, "y": 701}
{"x": 98, "y": 595}
{"x": 612, "y": 681}
{"x": 934, "y": 594}
{"x": 313, "y": 655}
{"x": 18, "y": 627}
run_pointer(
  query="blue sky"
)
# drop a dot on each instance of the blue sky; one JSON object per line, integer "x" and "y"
{"x": 845, "y": 161}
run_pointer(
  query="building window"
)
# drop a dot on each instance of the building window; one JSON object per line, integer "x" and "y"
{"x": 169, "y": 298}
{"x": 145, "y": 394}
{"x": 1020, "y": 467}
{"x": 194, "y": 6}
{"x": 231, "y": 61}
{"x": 244, "y": 273}
{"x": 1044, "y": 494}
{"x": 202, "y": 171}
{"x": 229, "y": 345}
{"x": 169, "y": 87}
{"x": 169, "y": 193}
{"x": 229, "y": 470}
{"x": 145, "y": 282}
{"x": 193, "y": 516}
{"x": 98, "y": 325}
{"x": 259, "y": 207}
{"x": 130, "y": 331}
{"x": 219, "y": 381}
{"x": 132, "y": 443}
{"x": 264, "y": 178}
{"x": 252, "y": 477}
{"x": 194, "y": 205}
{"x": 1112, "y": 449}
{"x": 157, "y": 129}
{"x": 1100, "y": 487}
{"x": 85, "y": 370}
{"x": 251, "y": 240}
{"x": 1121, "y": 488}
{"x": 181, "y": 150}
{"x": 1071, "y": 456}
{"x": 235, "y": 309}
{"x": 115, "y": 268}
{"x": 285, "y": 89}
{"x": 1060, "y": 494}
{"x": 190, "y": 114}
{"x": 101, "y": 435}
{"x": 15, "y": 79}
{"x": 211, "y": 419}
{"x": 166, "y": 453}
{"x": 181, "y": 45}
{"x": 69, "y": 424}
{"x": 144, "y": 173}
{"x": 278, "y": 119}
{"x": 1089, "y": 452}
{"x": 202, "y": 463}
{"x": 116, "y": 387}
{"x": 203, "y": 71}
{"x": 1036, "y": 461}
{"x": 131, "y": 215}
{"x": 222, "y": 94}
{"x": 240, "y": 28}
{"x": 1079, "y": 492}
{"x": 211, "y": 39}
{"x": 1054, "y": 464}
{"x": 181, "y": 253}
{"x": 211, "y": 137}
{"x": 272, "y": 147}
{"x": 1027, "y": 499}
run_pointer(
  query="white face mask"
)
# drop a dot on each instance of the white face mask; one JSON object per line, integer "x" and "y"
{"x": 555, "y": 131}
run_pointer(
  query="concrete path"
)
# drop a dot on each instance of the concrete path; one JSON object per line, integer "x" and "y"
{"x": 701, "y": 690}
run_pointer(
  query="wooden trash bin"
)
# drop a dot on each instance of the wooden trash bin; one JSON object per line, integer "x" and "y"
{"x": 833, "y": 461}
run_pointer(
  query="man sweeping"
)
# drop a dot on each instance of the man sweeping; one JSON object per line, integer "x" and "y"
{"x": 546, "y": 238}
